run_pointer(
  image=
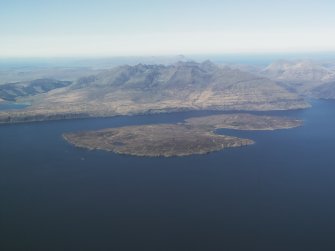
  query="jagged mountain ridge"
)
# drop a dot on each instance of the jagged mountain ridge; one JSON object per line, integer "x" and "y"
{"x": 183, "y": 82}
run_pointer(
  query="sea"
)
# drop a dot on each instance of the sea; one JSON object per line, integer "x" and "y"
{"x": 278, "y": 194}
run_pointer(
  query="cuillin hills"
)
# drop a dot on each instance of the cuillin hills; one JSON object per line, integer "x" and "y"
{"x": 142, "y": 88}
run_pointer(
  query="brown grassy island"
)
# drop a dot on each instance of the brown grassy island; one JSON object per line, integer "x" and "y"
{"x": 194, "y": 136}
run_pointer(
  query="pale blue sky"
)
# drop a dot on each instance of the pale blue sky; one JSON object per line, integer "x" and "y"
{"x": 159, "y": 27}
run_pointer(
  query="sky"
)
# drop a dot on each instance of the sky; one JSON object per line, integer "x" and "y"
{"x": 66, "y": 28}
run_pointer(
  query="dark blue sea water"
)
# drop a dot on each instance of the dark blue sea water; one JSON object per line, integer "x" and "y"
{"x": 278, "y": 194}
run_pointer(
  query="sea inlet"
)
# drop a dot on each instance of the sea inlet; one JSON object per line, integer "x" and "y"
{"x": 277, "y": 194}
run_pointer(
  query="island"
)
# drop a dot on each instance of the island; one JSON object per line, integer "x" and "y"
{"x": 193, "y": 136}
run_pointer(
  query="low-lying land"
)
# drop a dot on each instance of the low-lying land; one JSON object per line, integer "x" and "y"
{"x": 244, "y": 121}
{"x": 195, "y": 136}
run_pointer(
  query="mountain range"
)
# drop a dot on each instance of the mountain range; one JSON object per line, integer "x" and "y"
{"x": 144, "y": 88}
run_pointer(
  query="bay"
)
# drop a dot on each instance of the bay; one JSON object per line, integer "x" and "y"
{"x": 275, "y": 195}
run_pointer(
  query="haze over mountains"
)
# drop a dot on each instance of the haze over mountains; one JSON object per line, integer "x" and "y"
{"x": 158, "y": 88}
{"x": 306, "y": 78}
{"x": 298, "y": 71}
{"x": 301, "y": 76}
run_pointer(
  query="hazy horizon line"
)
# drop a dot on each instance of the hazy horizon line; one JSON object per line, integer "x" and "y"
{"x": 211, "y": 54}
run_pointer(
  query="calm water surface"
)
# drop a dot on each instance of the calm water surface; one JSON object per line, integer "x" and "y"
{"x": 278, "y": 194}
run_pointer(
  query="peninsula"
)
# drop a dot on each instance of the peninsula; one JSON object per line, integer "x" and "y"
{"x": 194, "y": 136}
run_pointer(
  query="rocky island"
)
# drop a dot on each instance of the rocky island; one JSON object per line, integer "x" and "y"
{"x": 194, "y": 136}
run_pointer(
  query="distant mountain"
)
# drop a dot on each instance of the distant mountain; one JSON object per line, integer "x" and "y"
{"x": 12, "y": 91}
{"x": 300, "y": 76}
{"x": 298, "y": 72}
{"x": 162, "y": 88}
